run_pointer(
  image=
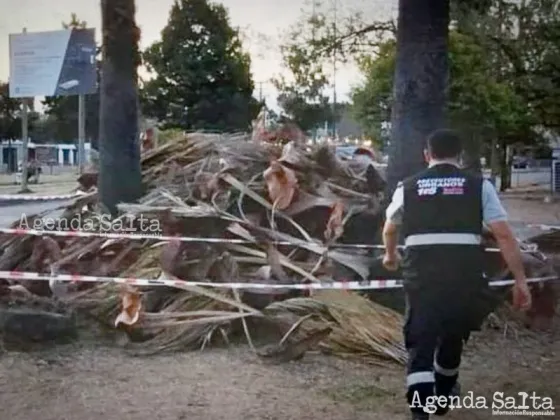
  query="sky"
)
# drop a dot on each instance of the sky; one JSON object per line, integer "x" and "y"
{"x": 263, "y": 23}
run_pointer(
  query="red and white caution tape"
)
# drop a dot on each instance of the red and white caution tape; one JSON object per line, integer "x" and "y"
{"x": 17, "y": 197}
{"x": 545, "y": 227}
{"x": 339, "y": 285}
{"x": 144, "y": 236}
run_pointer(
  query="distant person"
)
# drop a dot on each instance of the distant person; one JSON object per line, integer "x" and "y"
{"x": 441, "y": 212}
{"x": 33, "y": 170}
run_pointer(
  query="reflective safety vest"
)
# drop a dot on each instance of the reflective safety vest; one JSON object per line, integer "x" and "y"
{"x": 442, "y": 227}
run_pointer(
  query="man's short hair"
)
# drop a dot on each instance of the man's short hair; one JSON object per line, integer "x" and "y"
{"x": 444, "y": 144}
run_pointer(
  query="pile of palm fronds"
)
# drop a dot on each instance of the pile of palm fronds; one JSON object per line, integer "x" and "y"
{"x": 294, "y": 205}
{"x": 231, "y": 187}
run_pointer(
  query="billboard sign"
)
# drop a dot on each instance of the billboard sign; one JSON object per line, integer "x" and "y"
{"x": 54, "y": 63}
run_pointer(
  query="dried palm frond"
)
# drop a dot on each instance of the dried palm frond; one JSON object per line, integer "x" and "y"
{"x": 292, "y": 207}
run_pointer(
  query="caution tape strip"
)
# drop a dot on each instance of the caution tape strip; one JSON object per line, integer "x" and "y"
{"x": 140, "y": 236}
{"x": 544, "y": 227}
{"x": 338, "y": 285}
{"x": 17, "y": 197}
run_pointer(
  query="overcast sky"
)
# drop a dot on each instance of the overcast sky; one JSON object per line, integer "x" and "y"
{"x": 270, "y": 18}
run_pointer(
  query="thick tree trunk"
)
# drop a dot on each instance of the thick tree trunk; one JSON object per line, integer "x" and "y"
{"x": 120, "y": 177}
{"x": 420, "y": 83}
{"x": 471, "y": 156}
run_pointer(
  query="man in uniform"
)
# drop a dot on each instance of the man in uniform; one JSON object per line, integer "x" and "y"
{"x": 441, "y": 212}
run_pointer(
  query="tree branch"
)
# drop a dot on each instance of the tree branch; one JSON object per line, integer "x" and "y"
{"x": 353, "y": 35}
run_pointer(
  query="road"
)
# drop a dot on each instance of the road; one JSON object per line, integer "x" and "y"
{"x": 9, "y": 213}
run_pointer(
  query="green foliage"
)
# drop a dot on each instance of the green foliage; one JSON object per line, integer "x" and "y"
{"x": 10, "y": 121}
{"x": 478, "y": 104}
{"x": 307, "y": 115}
{"x": 517, "y": 41}
{"x": 165, "y": 136}
{"x": 202, "y": 76}
{"x": 62, "y": 117}
{"x": 302, "y": 91}
{"x": 61, "y": 124}
{"x": 477, "y": 97}
{"x": 74, "y": 23}
{"x": 10, "y": 116}
{"x": 371, "y": 102}
{"x": 522, "y": 40}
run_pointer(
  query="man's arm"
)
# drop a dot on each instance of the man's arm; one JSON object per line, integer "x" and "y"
{"x": 392, "y": 222}
{"x": 509, "y": 248}
{"x": 495, "y": 217}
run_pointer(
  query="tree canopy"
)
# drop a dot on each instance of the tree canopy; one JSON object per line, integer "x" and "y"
{"x": 503, "y": 67}
{"x": 523, "y": 41}
{"x": 302, "y": 89}
{"x": 10, "y": 116}
{"x": 201, "y": 75}
{"x": 10, "y": 121}
{"x": 478, "y": 103}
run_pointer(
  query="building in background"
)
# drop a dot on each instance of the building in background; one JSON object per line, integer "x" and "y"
{"x": 11, "y": 153}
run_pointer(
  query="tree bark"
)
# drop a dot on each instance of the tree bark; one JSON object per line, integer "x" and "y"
{"x": 120, "y": 176}
{"x": 471, "y": 155}
{"x": 505, "y": 165}
{"x": 420, "y": 83}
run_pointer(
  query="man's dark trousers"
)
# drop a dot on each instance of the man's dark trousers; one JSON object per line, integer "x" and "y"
{"x": 435, "y": 329}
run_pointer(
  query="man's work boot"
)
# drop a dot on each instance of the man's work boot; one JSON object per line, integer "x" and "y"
{"x": 455, "y": 392}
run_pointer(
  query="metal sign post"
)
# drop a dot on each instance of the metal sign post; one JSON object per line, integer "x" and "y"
{"x": 81, "y": 132}
{"x": 25, "y": 142}
{"x": 25, "y": 146}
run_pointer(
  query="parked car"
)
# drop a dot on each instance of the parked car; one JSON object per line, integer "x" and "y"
{"x": 520, "y": 162}
{"x": 351, "y": 152}
{"x": 375, "y": 172}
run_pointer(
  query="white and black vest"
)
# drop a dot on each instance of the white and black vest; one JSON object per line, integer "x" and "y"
{"x": 442, "y": 227}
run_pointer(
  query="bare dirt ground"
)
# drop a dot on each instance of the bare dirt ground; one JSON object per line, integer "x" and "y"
{"x": 90, "y": 381}
{"x": 531, "y": 208}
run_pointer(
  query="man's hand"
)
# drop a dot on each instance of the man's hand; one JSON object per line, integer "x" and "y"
{"x": 391, "y": 261}
{"x": 512, "y": 255}
{"x": 521, "y": 296}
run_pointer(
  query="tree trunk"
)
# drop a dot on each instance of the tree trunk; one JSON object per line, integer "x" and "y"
{"x": 420, "y": 83}
{"x": 471, "y": 160}
{"x": 494, "y": 160}
{"x": 505, "y": 172}
{"x": 120, "y": 177}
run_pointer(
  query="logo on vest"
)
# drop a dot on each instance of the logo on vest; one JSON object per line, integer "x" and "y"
{"x": 448, "y": 186}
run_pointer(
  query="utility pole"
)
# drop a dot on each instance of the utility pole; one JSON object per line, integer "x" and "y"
{"x": 495, "y": 144}
{"x": 81, "y": 132}
{"x": 25, "y": 141}
{"x": 25, "y": 145}
{"x": 334, "y": 68}
{"x": 260, "y": 91}
{"x": 313, "y": 16}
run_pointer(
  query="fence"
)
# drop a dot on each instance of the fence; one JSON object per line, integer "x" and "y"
{"x": 540, "y": 177}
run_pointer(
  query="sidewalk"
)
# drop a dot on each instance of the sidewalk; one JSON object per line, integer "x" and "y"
{"x": 48, "y": 185}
